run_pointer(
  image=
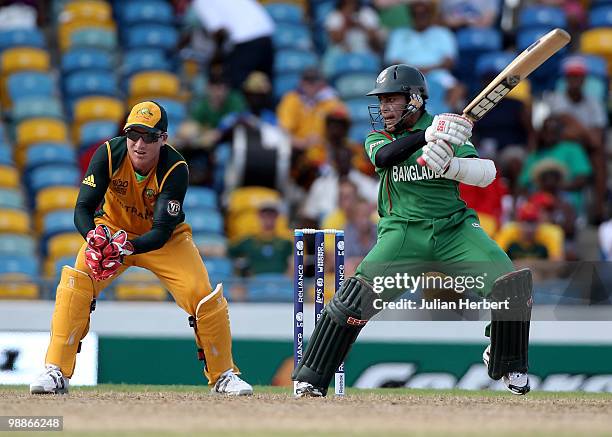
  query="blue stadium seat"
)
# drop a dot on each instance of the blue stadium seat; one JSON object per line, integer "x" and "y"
{"x": 596, "y": 65}
{"x": 60, "y": 263}
{"x": 57, "y": 222}
{"x": 96, "y": 132}
{"x": 270, "y": 287}
{"x": 359, "y": 131}
{"x": 200, "y": 197}
{"x": 542, "y": 16}
{"x": 11, "y": 199}
{"x": 204, "y": 220}
{"x": 358, "y": 108}
{"x": 85, "y": 83}
{"x": 17, "y": 245}
{"x": 41, "y": 154}
{"x": 286, "y": 13}
{"x": 48, "y": 175}
{"x": 294, "y": 61}
{"x": 21, "y": 38}
{"x": 283, "y": 83}
{"x": 99, "y": 38}
{"x": 219, "y": 269}
{"x": 138, "y": 12}
{"x": 86, "y": 58}
{"x": 355, "y": 63}
{"x": 473, "y": 43}
{"x": 6, "y": 155}
{"x": 137, "y": 60}
{"x": 493, "y": 62}
{"x": 30, "y": 83}
{"x": 354, "y": 85}
{"x": 152, "y": 35}
{"x": 287, "y": 36}
{"x": 36, "y": 106}
{"x": 601, "y": 16}
{"x": 202, "y": 239}
{"x": 175, "y": 109}
{"x": 25, "y": 265}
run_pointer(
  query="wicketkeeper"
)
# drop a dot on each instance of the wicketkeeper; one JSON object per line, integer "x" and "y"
{"x": 130, "y": 212}
{"x": 423, "y": 220}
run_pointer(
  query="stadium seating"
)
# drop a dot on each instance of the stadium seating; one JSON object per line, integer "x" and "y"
{"x": 92, "y": 10}
{"x": 87, "y": 83}
{"x": 355, "y": 85}
{"x": 50, "y": 175}
{"x": 473, "y": 43}
{"x": 96, "y": 132}
{"x": 598, "y": 42}
{"x": 210, "y": 245}
{"x": 18, "y": 274}
{"x": 294, "y": 61}
{"x": 288, "y": 36}
{"x": 286, "y": 13}
{"x": 24, "y": 59}
{"x": 55, "y": 198}
{"x": 601, "y": 16}
{"x": 14, "y": 221}
{"x": 143, "y": 59}
{"x": 151, "y": 35}
{"x": 21, "y": 38}
{"x": 9, "y": 177}
{"x": 204, "y": 220}
{"x": 283, "y": 83}
{"x": 200, "y": 197}
{"x": 149, "y": 84}
{"x": 11, "y": 198}
{"x": 547, "y": 17}
{"x": 37, "y": 107}
{"x": 62, "y": 245}
{"x": 139, "y": 284}
{"x": 358, "y": 108}
{"x": 137, "y": 12}
{"x": 17, "y": 245}
{"x": 86, "y": 58}
{"x": 543, "y": 78}
{"x": 270, "y": 287}
{"x": 6, "y": 155}
{"x": 355, "y": 63}
{"x": 40, "y": 154}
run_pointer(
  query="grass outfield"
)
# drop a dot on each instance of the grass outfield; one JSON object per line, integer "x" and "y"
{"x": 135, "y": 410}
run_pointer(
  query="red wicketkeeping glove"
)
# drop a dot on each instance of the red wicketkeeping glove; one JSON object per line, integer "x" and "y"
{"x": 112, "y": 255}
{"x": 97, "y": 239}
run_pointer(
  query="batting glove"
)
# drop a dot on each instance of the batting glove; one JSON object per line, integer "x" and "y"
{"x": 452, "y": 128}
{"x": 437, "y": 156}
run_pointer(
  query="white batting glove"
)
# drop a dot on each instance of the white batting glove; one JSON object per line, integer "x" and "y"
{"x": 452, "y": 128}
{"x": 438, "y": 155}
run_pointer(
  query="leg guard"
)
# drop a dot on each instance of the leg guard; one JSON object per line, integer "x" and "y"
{"x": 213, "y": 336}
{"x": 74, "y": 301}
{"x": 510, "y": 327}
{"x": 334, "y": 334}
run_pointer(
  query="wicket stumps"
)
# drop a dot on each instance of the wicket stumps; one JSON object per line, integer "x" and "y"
{"x": 319, "y": 283}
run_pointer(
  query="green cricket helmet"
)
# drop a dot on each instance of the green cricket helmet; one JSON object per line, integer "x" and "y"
{"x": 403, "y": 79}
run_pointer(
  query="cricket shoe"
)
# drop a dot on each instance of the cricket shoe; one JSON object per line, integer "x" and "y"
{"x": 230, "y": 384}
{"x": 516, "y": 382}
{"x": 50, "y": 381}
{"x": 307, "y": 390}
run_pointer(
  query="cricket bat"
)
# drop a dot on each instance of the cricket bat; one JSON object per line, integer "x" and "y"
{"x": 521, "y": 67}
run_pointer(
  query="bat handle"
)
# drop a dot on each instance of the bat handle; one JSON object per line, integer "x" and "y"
{"x": 420, "y": 161}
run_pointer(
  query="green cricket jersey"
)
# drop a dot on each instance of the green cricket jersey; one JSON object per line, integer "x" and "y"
{"x": 410, "y": 190}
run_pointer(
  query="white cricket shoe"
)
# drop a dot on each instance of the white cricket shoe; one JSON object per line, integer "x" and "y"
{"x": 307, "y": 390}
{"x": 230, "y": 384}
{"x": 50, "y": 381}
{"x": 516, "y": 382}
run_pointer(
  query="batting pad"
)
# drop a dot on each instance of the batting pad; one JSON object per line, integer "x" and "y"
{"x": 70, "y": 322}
{"x": 510, "y": 328}
{"x": 213, "y": 335}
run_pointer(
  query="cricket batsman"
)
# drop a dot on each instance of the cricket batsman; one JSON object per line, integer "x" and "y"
{"x": 130, "y": 212}
{"x": 422, "y": 219}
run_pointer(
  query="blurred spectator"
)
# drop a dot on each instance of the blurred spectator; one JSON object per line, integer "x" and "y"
{"x": 347, "y": 198}
{"x": 220, "y": 100}
{"x": 302, "y": 112}
{"x": 585, "y": 120}
{"x": 605, "y": 240}
{"x": 487, "y": 202}
{"x": 509, "y": 166}
{"x": 352, "y": 28}
{"x": 508, "y": 123}
{"x": 266, "y": 252}
{"x": 359, "y": 234}
{"x": 530, "y": 238}
{"x": 322, "y": 198}
{"x": 526, "y": 246}
{"x": 393, "y": 13}
{"x": 432, "y": 49}
{"x": 18, "y": 15}
{"x": 568, "y": 153}
{"x": 249, "y": 31}
{"x": 469, "y": 13}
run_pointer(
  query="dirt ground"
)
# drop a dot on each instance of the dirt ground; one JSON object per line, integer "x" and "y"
{"x": 160, "y": 411}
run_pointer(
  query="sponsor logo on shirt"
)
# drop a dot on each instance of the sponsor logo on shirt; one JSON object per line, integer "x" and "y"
{"x": 120, "y": 186}
{"x": 374, "y": 144}
{"x": 89, "y": 180}
{"x": 174, "y": 207}
{"x": 415, "y": 172}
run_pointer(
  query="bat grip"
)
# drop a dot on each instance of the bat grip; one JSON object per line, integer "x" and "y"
{"x": 420, "y": 161}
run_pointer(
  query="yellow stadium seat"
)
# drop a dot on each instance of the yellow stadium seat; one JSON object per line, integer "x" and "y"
{"x": 96, "y": 108}
{"x": 154, "y": 83}
{"x": 66, "y": 29}
{"x": 139, "y": 284}
{"x": 598, "y": 42}
{"x": 67, "y": 244}
{"x": 19, "y": 289}
{"x": 91, "y": 10}
{"x": 24, "y": 58}
{"x": 242, "y": 219}
{"x": 249, "y": 198}
{"x": 35, "y": 130}
{"x": 15, "y": 221}
{"x": 247, "y": 224}
{"x": 52, "y": 198}
{"x": 9, "y": 177}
